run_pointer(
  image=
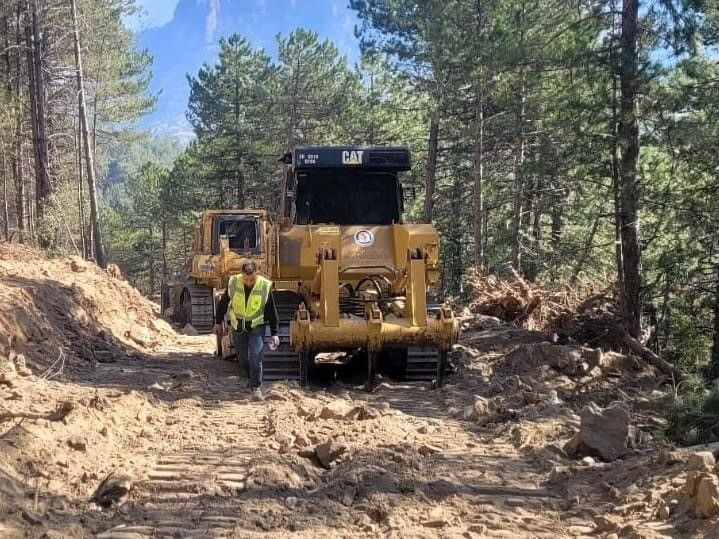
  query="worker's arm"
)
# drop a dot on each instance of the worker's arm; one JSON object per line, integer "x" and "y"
{"x": 271, "y": 314}
{"x": 221, "y": 310}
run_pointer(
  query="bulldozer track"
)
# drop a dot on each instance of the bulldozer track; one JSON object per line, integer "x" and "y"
{"x": 204, "y": 483}
{"x": 202, "y": 316}
{"x": 422, "y": 363}
{"x": 282, "y": 363}
{"x": 193, "y": 492}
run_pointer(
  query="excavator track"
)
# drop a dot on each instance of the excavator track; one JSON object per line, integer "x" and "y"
{"x": 198, "y": 307}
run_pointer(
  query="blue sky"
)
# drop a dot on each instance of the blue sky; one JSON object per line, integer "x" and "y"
{"x": 182, "y": 34}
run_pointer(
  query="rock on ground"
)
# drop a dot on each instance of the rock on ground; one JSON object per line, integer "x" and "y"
{"x": 189, "y": 330}
{"x": 114, "y": 490}
{"x": 337, "y": 409}
{"x": 701, "y": 461}
{"x": 78, "y": 443}
{"x": 604, "y": 433}
{"x": 480, "y": 408}
{"x": 342, "y": 409}
{"x": 707, "y": 497}
{"x": 703, "y": 488}
{"x": 328, "y": 453}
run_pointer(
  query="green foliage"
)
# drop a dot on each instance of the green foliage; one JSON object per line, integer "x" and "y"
{"x": 137, "y": 222}
{"x": 313, "y": 90}
{"x": 693, "y": 414}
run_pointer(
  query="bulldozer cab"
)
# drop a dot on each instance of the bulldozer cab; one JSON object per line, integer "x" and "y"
{"x": 241, "y": 234}
{"x": 347, "y": 185}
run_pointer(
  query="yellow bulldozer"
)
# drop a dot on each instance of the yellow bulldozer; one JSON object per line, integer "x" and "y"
{"x": 351, "y": 280}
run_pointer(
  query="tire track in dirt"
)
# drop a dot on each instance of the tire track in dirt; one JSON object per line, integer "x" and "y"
{"x": 198, "y": 491}
{"x": 189, "y": 492}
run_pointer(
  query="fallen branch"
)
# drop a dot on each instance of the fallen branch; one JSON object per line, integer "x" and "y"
{"x": 51, "y": 372}
{"x": 650, "y": 357}
{"x": 712, "y": 446}
{"x": 526, "y": 290}
{"x": 58, "y": 414}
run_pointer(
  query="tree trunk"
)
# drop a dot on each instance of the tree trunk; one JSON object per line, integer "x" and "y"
{"x": 19, "y": 174}
{"x": 5, "y": 173}
{"x": 284, "y": 203}
{"x": 29, "y": 210}
{"x": 557, "y": 219}
{"x": 432, "y": 146}
{"x": 96, "y": 236}
{"x": 239, "y": 177}
{"x": 519, "y": 180}
{"x": 185, "y": 248}
{"x": 5, "y": 208}
{"x": 714, "y": 365}
{"x": 240, "y": 180}
{"x": 616, "y": 184}
{"x": 164, "y": 252}
{"x": 43, "y": 178}
{"x": 629, "y": 189}
{"x": 80, "y": 194}
{"x": 478, "y": 199}
{"x": 284, "y": 206}
{"x": 32, "y": 96}
{"x": 36, "y": 80}
{"x": 615, "y": 159}
{"x": 370, "y": 135}
{"x": 17, "y": 159}
{"x": 151, "y": 262}
{"x": 537, "y": 210}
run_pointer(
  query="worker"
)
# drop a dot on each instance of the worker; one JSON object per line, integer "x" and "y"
{"x": 252, "y": 306}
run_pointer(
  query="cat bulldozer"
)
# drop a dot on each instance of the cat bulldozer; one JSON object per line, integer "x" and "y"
{"x": 351, "y": 279}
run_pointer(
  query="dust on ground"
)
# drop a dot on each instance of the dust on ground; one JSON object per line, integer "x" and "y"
{"x": 141, "y": 432}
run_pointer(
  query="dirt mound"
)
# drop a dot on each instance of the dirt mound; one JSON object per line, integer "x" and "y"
{"x": 57, "y": 311}
{"x": 592, "y": 420}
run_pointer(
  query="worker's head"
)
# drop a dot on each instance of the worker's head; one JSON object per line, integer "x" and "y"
{"x": 249, "y": 273}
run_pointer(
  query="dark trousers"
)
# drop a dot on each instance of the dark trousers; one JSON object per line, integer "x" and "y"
{"x": 248, "y": 346}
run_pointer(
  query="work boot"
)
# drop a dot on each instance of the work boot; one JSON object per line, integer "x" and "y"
{"x": 257, "y": 394}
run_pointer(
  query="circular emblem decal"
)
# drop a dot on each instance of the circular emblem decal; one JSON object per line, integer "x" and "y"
{"x": 364, "y": 238}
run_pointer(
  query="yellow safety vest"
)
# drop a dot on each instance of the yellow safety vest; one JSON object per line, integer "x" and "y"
{"x": 251, "y": 308}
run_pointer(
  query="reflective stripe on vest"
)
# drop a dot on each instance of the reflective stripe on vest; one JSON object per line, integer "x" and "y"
{"x": 248, "y": 309}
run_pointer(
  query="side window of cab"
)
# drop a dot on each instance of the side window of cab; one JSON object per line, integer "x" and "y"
{"x": 197, "y": 240}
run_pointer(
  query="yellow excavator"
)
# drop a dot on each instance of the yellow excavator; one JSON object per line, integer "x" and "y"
{"x": 351, "y": 279}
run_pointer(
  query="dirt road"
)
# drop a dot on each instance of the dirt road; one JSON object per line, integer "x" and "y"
{"x": 206, "y": 461}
